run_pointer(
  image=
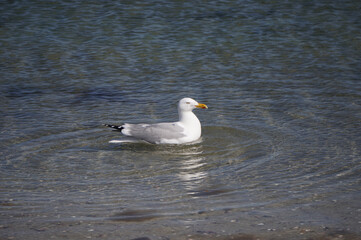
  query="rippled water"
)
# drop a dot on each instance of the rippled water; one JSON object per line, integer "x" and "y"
{"x": 280, "y": 153}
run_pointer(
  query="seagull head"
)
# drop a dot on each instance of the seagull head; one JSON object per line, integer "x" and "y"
{"x": 188, "y": 104}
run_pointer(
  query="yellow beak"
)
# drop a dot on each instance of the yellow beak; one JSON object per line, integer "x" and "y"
{"x": 201, "y": 105}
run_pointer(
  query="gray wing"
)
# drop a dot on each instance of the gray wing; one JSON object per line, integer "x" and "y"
{"x": 154, "y": 133}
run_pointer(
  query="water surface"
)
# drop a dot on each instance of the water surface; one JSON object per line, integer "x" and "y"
{"x": 280, "y": 153}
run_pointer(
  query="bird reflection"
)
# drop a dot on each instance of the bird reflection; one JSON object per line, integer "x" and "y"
{"x": 192, "y": 173}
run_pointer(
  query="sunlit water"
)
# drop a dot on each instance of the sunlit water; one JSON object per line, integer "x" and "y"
{"x": 280, "y": 152}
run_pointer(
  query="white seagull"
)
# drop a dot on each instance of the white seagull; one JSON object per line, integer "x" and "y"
{"x": 186, "y": 130}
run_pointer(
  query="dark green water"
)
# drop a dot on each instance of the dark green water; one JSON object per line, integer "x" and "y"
{"x": 280, "y": 155}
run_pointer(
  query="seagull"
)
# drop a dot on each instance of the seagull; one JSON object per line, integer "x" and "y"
{"x": 186, "y": 130}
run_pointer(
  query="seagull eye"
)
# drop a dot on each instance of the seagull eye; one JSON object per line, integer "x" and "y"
{"x": 188, "y": 103}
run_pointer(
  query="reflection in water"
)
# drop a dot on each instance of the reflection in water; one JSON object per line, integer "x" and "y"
{"x": 191, "y": 172}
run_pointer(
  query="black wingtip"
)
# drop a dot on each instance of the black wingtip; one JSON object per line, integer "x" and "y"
{"x": 116, "y": 127}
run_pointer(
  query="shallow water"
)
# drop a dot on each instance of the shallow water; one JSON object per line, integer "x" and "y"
{"x": 280, "y": 151}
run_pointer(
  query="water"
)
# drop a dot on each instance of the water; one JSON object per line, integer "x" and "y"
{"x": 280, "y": 152}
